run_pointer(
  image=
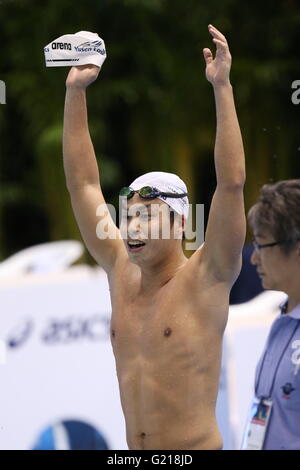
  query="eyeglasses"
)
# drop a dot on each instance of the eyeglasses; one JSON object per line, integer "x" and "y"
{"x": 148, "y": 192}
{"x": 258, "y": 246}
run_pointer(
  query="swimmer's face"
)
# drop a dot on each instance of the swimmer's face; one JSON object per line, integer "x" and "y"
{"x": 147, "y": 229}
{"x": 275, "y": 269}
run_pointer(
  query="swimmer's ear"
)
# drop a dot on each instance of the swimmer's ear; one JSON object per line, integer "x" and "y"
{"x": 208, "y": 57}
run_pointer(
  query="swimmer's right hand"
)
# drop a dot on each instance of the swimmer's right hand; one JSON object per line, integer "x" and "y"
{"x": 82, "y": 76}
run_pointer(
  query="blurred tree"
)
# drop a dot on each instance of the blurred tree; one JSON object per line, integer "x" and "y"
{"x": 151, "y": 108}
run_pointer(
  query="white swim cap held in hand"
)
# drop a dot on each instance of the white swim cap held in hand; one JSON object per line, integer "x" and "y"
{"x": 75, "y": 49}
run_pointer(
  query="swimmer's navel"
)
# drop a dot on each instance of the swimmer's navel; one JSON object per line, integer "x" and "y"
{"x": 143, "y": 435}
{"x": 167, "y": 332}
{"x": 113, "y": 333}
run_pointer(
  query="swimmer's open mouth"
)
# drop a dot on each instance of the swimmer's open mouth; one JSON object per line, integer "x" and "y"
{"x": 135, "y": 245}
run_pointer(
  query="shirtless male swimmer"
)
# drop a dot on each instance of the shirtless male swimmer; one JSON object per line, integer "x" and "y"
{"x": 168, "y": 312}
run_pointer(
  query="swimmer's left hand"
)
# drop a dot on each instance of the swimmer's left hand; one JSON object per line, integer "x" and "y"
{"x": 218, "y": 68}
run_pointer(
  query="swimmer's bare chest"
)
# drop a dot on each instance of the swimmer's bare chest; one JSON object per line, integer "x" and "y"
{"x": 167, "y": 358}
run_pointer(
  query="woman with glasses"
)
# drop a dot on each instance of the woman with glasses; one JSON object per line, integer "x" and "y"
{"x": 275, "y": 415}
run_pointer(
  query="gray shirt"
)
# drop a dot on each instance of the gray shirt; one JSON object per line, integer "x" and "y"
{"x": 278, "y": 378}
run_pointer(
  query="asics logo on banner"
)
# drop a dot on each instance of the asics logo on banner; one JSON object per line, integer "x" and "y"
{"x": 90, "y": 46}
{"x": 62, "y": 45}
{"x": 20, "y": 334}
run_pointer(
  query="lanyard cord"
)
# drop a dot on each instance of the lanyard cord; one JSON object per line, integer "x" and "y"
{"x": 278, "y": 364}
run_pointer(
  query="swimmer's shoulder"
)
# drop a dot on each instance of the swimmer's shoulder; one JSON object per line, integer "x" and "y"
{"x": 197, "y": 270}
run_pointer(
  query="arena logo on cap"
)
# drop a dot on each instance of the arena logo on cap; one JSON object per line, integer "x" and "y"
{"x": 62, "y": 45}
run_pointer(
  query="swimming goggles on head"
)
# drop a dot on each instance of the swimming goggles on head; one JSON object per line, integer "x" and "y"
{"x": 148, "y": 192}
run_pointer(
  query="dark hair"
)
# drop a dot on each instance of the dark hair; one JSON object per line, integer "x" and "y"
{"x": 278, "y": 212}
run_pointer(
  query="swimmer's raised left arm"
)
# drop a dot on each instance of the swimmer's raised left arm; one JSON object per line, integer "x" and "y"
{"x": 226, "y": 228}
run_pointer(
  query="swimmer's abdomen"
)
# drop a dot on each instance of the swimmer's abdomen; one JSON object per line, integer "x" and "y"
{"x": 168, "y": 386}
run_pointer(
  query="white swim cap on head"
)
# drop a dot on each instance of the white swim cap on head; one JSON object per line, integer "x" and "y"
{"x": 168, "y": 183}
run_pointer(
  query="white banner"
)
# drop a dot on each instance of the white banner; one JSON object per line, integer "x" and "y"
{"x": 59, "y": 362}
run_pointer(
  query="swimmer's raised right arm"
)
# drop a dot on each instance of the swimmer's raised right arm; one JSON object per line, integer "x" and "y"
{"x": 81, "y": 170}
